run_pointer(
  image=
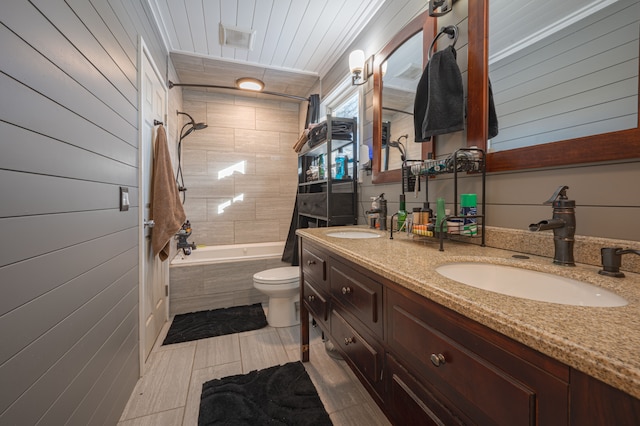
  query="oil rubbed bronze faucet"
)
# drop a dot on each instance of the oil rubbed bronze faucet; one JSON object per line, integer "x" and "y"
{"x": 563, "y": 225}
{"x": 612, "y": 260}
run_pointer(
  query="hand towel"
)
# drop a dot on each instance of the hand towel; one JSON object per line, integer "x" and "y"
{"x": 445, "y": 101}
{"x": 166, "y": 209}
{"x": 493, "y": 117}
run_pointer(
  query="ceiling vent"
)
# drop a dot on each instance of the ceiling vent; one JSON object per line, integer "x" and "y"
{"x": 410, "y": 72}
{"x": 238, "y": 38}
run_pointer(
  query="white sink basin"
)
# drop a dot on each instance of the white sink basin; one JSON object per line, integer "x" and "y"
{"x": 353, "y": 234}
{"x": 528, "y": 284}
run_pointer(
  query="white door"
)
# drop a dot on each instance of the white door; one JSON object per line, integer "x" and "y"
{"x": 153, "y": 273}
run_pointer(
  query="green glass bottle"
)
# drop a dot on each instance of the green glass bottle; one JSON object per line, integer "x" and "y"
{"x": 402, "y": 212}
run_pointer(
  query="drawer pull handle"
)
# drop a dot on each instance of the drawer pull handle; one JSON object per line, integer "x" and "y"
{"x": 311, "y": 298}
{"x": 437, "y": 359}
{"x": 311, "y": 262}
{"x": 349, "y": 340}
{"x": 346, "y": 290}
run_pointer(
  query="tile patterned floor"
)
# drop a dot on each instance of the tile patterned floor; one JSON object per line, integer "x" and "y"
{"x": 169, "y": 392}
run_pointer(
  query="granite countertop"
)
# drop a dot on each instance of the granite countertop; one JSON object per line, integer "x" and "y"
{"x": 602, "y": 342}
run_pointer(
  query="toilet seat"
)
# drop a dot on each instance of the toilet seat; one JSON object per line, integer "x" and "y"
{"x": 275, "y": 276}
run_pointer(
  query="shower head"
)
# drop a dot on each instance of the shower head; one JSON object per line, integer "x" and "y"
{"x": 190, "y": 126}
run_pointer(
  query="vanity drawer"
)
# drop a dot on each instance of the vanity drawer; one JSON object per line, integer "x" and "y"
{"x": 360, "y": 295}
{"x": 475, "y": 374}
{"x": 314, "y": 267}
{"x": 411, "y": 404}
{"x": 366, "y": 356}
{"x": 477, "y": 387}
{"x": 316, "y": 302}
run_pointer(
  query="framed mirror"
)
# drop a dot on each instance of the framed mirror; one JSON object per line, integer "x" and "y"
{"x": 579, "y": 66}
{"x": 397, "y": 70}
{"x": 401, "y": 73}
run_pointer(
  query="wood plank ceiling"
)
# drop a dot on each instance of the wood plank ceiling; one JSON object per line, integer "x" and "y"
{"x": 296, "y": 41}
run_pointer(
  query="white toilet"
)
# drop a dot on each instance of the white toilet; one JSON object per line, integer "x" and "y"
{"x": 282, "y": 285}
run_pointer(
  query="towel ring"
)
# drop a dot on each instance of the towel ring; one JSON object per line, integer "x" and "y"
{"x": 451, "y": 31}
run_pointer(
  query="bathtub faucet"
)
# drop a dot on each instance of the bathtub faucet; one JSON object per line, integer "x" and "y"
{"x": 182, "y": 235}
{"x": 563, "y": 225}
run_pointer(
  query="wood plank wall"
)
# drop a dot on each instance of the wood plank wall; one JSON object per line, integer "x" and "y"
{"x": 69, "y": 257}
{"x": 580, "y": 81}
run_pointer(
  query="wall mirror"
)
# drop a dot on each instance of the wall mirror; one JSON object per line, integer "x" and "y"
{"x": 397, "y": 70}
{"x": 607, "y": 145}
{"x": 565, "y": 82}
{"x": 401, "y": 73}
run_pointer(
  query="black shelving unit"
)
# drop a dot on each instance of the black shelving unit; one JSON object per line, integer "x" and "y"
{"x": 329, "y": 198}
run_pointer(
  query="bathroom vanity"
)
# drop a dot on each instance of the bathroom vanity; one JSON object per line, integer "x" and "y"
{"x": 433, "y": 351}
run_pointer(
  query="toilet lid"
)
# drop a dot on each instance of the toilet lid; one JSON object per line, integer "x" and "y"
{"x": 285, "y": 274}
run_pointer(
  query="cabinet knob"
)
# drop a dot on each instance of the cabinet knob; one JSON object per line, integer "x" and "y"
{"x": 311, "y": 298}
{"x": 346, "y": 290}
{"x": 311, "y": 262}
{"x": 349, "y": 340}
{"x": 437, "y": 359}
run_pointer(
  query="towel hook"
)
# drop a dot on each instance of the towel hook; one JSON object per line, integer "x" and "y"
{"x": 451, "y": 31}
{"x": 157, "y": 123}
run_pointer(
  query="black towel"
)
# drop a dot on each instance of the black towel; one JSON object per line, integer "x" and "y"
{"x": 445, "y": 98}
{"x": 422, "y": 99}
{"x": 493, "y": 117}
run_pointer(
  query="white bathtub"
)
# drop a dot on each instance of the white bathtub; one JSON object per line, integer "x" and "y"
{"x": 229, "y": 253}
{"x": 220, "y": 276}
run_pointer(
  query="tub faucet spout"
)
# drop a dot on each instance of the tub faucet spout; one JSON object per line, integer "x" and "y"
{"x": 563, "y": 225}
{"x": 182, "y": 235}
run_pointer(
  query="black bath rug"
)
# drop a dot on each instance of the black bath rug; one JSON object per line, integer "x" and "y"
{"x": 217, "y": 322}
{"x": 280, "y": 395}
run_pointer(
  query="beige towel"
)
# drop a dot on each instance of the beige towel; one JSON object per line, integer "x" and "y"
{"x": 304, "y": 137}
{"x": 166, "y": 208}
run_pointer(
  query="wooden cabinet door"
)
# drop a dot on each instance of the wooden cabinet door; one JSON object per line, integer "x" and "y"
{"x": 594, "y": 403}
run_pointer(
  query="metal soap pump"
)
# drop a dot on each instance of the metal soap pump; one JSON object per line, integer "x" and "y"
{"x": 563, "y": 225}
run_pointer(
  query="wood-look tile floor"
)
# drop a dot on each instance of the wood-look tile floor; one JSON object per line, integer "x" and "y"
{"x": 169, "y": 392}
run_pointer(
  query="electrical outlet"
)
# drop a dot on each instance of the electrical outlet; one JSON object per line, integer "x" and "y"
{"x": 124, "y": 198}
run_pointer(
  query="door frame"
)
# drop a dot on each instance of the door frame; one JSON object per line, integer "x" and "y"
{"x": 143, "y": 51}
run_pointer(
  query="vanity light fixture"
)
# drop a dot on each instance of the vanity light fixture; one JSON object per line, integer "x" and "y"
{"x": 360, "y": 68}
{"x": 439, "y": 8}
{"x": 248, "y": 83}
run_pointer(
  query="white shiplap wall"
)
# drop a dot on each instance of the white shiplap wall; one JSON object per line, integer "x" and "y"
{"x": 580, "y": 81}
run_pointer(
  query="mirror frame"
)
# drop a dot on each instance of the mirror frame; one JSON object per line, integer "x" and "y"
{"x": 612, "y": 146}
{"x": 420, "y": 23}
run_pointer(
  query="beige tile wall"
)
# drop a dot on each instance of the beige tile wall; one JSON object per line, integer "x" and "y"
{"x": 257, "y": 133}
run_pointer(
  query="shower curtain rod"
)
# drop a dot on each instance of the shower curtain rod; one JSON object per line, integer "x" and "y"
{"x": 213, "y": 86}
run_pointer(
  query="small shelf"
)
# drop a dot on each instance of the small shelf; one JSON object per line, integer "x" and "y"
{"x": 314, "y": 182}
{"x": 463, "y": 160}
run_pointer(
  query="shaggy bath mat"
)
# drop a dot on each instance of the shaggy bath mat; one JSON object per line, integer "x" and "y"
{"x": 280, "y": 395}
{"x": 217, "y": 322}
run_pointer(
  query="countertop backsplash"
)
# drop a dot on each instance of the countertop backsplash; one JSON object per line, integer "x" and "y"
{"x": 586, "y": 249}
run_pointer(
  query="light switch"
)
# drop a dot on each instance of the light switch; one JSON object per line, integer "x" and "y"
{"x": 124, "y": 198}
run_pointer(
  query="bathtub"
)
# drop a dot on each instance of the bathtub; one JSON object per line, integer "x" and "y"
{"x": 229, "y": 253}
{"x": 220, "y": 276}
